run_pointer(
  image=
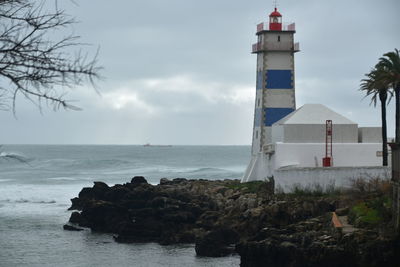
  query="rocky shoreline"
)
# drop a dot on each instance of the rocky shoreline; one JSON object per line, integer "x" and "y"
{"x": 226, "y": 217}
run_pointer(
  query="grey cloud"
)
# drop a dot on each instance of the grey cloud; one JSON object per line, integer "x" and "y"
{"x": 209, "y": 41}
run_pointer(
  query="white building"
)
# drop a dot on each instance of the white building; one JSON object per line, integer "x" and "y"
{"x": 290, "y": 144}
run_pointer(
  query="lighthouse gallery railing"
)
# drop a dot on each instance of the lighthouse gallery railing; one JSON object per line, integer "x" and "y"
{"x": 264, "y": 26}
{"x": 259, "y": 47}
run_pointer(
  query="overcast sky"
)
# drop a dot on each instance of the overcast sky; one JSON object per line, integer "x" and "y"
{"x": 181, "y": 71}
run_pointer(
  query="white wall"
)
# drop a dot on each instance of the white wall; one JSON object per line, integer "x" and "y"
{"x": 270, "y": 40}
{"x": 259, "y": 169}
{"x": 311, "y": 154}
{"x": 260, "y": 61}
{"x": 278, "y": 61}
{"x": 370, "y": 135}
{"x": 267, "y": 135}
{"x": 279, "y": 98}
{"x": 315, "y": 133}
{"x": 339, "y": 176}
{"x": 256, "y": 141}
{"x": 277, "y": 133}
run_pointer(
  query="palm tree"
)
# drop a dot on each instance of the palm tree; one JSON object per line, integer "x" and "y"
{"x": 390, "y": 64}
{"x": 375, "y": 87}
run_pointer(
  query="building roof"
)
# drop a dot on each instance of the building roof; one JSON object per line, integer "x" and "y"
{"x": 313, "y": 114}
{"x": 275, "y": 13}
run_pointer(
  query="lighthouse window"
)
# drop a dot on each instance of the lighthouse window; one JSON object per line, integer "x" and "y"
{"x": 279, "y": 38}
{"x": 256, "y": 134}
{"x": 258, "y": 102}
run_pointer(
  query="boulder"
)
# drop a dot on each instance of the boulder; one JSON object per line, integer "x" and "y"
{"x": 77, "y": 203}
{"x": 138, "y": 180}
{"x": 117, "y": 193}
{"x": 217, "y": 243}
{"x": 75, "y": 217}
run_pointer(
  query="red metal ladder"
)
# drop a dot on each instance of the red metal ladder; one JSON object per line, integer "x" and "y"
{"x": 327, "y": 161}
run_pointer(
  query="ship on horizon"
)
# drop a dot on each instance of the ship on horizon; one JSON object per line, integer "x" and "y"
{"x": 150, "y": 145}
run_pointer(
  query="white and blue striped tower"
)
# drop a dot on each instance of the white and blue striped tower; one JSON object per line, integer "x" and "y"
{"x": 275, "y": 90}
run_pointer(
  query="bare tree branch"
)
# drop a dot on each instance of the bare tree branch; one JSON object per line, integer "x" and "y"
{"x": 33, "y": 65}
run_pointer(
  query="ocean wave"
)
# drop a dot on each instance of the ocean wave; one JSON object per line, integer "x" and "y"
{"x": 14, "y": 156}
{"x": 169, "y": 169}
{"x": 207, "y": 169}
{"x": 82, "y": 165}
{"x": 63, "y": 178}
{"x": 157, "y": 170}
{"x": 214, "y": 173}
{"x": 5, "y": 180}
{"x": 24, "y": 200}
{"x": 100, "y": 163}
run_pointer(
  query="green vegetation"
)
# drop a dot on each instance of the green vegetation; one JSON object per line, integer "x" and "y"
{"x": 362, "y": 186}
{"x": 383, "y": 81}
{"x": 311, "y": 190}
{"x": 375, "y": 87}
{"x": 372, "y": 206}
{"x": 371, "y": 213}
{"x": 249, "y": 187}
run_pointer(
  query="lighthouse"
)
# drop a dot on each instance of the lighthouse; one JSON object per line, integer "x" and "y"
{"x": 275, "y": 88}
{"x": 291, "y": 145}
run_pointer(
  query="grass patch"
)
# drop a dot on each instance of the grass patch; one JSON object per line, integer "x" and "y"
{"x": 371, "y": 213}
{"x": 362, "y": 186}
{"x": 249, "y": 187}
{"x": 312, "y": 190}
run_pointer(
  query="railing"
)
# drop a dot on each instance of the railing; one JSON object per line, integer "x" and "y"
{"x": 264, "y": 26}
{"x": 256, "y": 47}
{"x": 259, "y": 47}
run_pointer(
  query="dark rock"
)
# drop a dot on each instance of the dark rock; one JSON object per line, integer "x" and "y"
{"x": 96, "y": 192}
{"x": 134, "y": 204}
{"x": 159, "y": 202}
{"x": 143, "y": 192}
{"x": 117, "y": 193}
{"x": 208, "y": 219}
{"x": 99, "y": 190}
{"x": 164, "y": 181}
{"x": 273, "y": 230}
{"x": 138, "y": 180}
{"x": 101, "y": 186}
{"x": 103, "y": 216}
{"x": 75, "y": 217}
{"x": 179, "y": 180}
{"x": 342, "y": 211}
{"x": 86, "y": 193}
{"x": 77, "y": 204}
{"x": 180, "y": 217}
{"x": 140, "y": 230}
{"x": 325, "y": 206}
{"x": 71, "y": 228}
{"x": 217, "y": 243}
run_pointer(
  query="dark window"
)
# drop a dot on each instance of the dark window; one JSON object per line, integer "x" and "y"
{"x": 256, "y": 134}
{"x": 279, "y": 38}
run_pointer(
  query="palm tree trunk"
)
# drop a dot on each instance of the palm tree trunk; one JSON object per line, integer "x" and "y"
{"x": 397, "y": 98}
{"x": 382, "y": 98}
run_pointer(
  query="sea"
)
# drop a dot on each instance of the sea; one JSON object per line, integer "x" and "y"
{"x": 38, "y": 181}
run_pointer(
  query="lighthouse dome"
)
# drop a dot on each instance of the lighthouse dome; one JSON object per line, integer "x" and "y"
{"x": 275, "y": 13}
{"x": 275, "y": 21}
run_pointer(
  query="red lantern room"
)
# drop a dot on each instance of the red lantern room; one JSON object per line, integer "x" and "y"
{"x": 275, "y": 21}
